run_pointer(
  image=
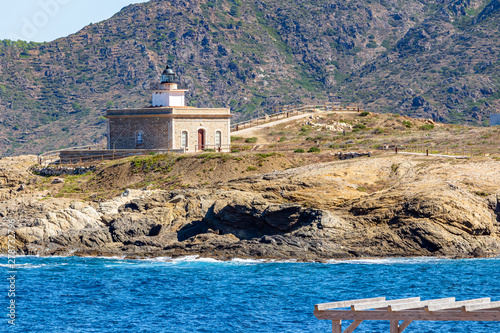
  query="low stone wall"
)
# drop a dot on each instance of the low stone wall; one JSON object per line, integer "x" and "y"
{"x": 62, "y": 170}
{"x": 79, "y": 156}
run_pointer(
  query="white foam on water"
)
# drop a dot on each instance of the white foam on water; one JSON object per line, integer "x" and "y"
{"x": 194, "y": 258}
{"x": 185, "y": 259}
{"x": 26, "y": 266}
{"x": 391, "y": 261}
{"x": 246, "y": 261}
{"x": 16, "y": 265}
{"x": 109, "y": 258}
{"x": 157, "y": 259}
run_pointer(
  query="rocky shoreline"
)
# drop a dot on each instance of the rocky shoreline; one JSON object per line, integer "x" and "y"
{"x": 313, "y": 213}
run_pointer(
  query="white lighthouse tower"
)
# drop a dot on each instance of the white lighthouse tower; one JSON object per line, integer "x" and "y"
{"x": 166, "y": 93}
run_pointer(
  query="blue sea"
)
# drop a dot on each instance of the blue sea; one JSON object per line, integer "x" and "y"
{"x": 72, "y": 294}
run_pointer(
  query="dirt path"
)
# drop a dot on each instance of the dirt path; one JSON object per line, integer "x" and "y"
{"x": 252, "y": 130}
{"x": 436, "y": 155}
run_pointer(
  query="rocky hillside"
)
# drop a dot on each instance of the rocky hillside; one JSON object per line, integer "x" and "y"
{"x": 432, "y": 58}
{"x": 446, "y": 67}
{"x": 385, "y": 205}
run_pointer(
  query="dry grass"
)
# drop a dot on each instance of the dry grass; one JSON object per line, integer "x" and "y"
{"x": 375, "y": 131}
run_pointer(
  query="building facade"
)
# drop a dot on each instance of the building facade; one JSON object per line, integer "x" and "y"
{"x": 168, "y": 124}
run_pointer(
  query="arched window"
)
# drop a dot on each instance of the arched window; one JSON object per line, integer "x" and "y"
{"x": 139, "y": 139}
{"x": 184, "y": 139}
{"x": 218, "y": 139}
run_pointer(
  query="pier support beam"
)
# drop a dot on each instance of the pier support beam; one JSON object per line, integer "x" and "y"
{"x": 336, "y": 326}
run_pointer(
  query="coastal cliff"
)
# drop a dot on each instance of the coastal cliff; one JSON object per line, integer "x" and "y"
{"x": 432, "y": 59}
{"x": 386, "y": 205}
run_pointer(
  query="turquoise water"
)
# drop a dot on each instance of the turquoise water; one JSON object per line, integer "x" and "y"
{"x": 113, "y": 295}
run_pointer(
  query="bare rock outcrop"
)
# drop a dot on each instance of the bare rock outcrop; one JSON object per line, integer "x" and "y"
{"x": 309, "y": 213}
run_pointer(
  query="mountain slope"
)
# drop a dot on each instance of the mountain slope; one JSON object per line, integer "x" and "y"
{"x": 446, "y": 68}
{"x": 247, "y": 55}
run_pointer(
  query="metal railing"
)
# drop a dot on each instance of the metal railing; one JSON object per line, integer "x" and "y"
{"x": 281, "y": 112}
{"x": 458, "y": 151}
{"x": 52, "y": 156}
{"x": 96, "y": 155}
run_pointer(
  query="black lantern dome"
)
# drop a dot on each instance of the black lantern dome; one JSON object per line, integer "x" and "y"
{"x": 168, "y": 75}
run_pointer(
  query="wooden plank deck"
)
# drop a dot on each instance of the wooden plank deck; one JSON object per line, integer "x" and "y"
{"x": 406, "y": 310}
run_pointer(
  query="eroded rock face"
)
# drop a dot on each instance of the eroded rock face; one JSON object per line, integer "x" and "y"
{"x": 419, "y": 213}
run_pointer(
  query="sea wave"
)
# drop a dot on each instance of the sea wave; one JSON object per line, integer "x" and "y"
{"x": 198, "y": 259}
{"x": 402, "y": 261}
{"x": 241, "y": 261}
{"x": 30, "y": 265}
{"x": 110, "y": 258}
{"x": 195, "y": 258}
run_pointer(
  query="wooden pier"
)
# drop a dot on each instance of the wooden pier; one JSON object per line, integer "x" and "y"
{"x": 406, "y": 310}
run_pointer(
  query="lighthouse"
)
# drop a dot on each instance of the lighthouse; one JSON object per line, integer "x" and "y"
{"x": 168, "y": 125}
{"x": 166, "y": 94}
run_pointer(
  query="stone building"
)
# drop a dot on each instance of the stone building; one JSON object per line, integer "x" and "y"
{"x": 168, "y": 124}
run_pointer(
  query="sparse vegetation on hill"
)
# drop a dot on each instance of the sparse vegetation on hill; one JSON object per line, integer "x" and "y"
{"x": 434, "y": 59}
{"x": 169, "y": 172}
{"x": 375, "y": 131}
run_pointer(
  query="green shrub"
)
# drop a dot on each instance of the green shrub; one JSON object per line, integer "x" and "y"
{"x": 235, "y": 151}
{"x": 364, "y": 113}
{"x": 262, "y": 156}
{"x": 360, "y": 126}
{"x": 408, "y": 124}
{"x": 316, "y": 138}
{"x": 209, "y": 150}
{"x": 334, "y": 146}
{"x": 314, "y": 150}
{"x": 378, "y": 130}
{"x": 251, "y": 168}
{"x": 283, "y": 138}
{"x": 236, "y": 138}
{"x": 426, "y": 127}
{"x": 251, "y": 140}
{"x": 300, "y": 150}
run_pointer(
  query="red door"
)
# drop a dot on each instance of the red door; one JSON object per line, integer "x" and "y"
{"x": 201, "y": 139}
